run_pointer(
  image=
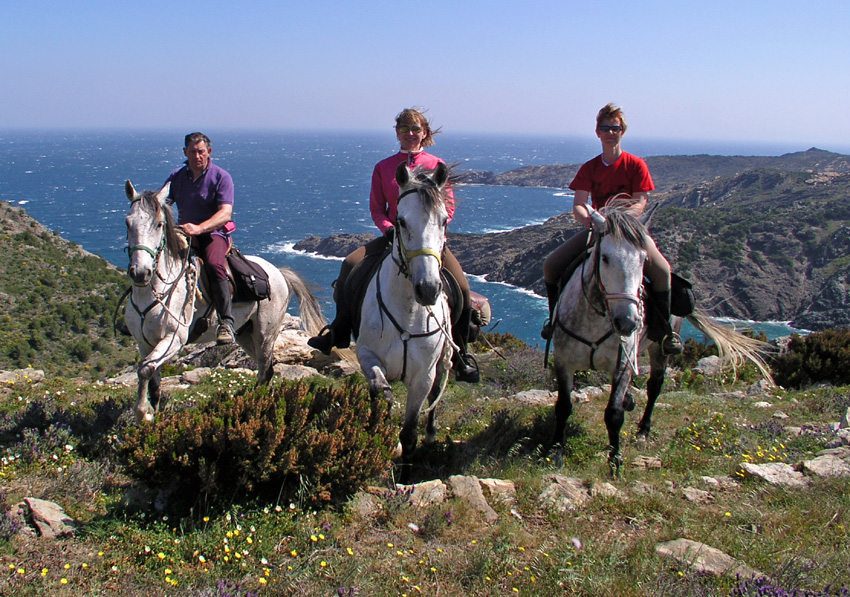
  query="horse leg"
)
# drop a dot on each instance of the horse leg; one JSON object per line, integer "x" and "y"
{"x": 564, "y": 404}
{"x": 154, "y": 390}
{"x": 440, "y": 379}
{"x": 658, "y": 363}
{"x": 614, "y": 416}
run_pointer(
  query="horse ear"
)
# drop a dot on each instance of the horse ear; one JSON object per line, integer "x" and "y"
{"x": 402, "y": 174}
{"x": 441, "y": 174}
{"x": 163, "y": 193}
{"x": 646, "y": 216}
{"x": 130, "y": 190}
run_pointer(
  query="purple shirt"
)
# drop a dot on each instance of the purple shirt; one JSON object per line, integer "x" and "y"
{"x": 199, "y": 199}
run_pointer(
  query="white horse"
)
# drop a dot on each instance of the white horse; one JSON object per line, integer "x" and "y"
{"x": 405, "y": 322}
{"x": 599, "y": 324}
{"x": 163, "y": 307}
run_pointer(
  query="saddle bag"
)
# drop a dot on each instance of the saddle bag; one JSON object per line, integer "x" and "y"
{"x": 250, "y": 280}
{"x": 682, "y": 299}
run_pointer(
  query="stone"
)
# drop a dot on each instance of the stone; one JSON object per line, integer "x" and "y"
{"x": 468, "y": 489}
{"x": 129, "y": 379}
{"x": 499, "y": 491}
{"x": 697, "y": 496}
{"x": 28, "y": 375}
{"x": 647, "y": 462}
{"x": 776, "y": 473}
{"x": 588, "y": 393}
{"x": 365, "y": 505}
{"x": 563, "y": 494}
{"x": 536, "y": 397}
{"x": 48, "y": 518}
{"x": 762, "y": 404}
{"x": 760, "y": 387}
{"x": 195, "y": 376}
{"x": 641, "y": 488}
{"x": 704, "y": 559}
{"x": 288, "y": 371}
{"x": 723, "y": 483}
{"x": 710, "y": 366}
{"x": 605, "y": 489}
{"x": 827, "y": 465}
{"x": 779, "y": 415}
{"x": 426, "y": 493}
{"x": 845, "y": 420}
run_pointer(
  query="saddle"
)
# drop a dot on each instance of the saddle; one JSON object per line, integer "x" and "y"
{"x": 248, "y": 281}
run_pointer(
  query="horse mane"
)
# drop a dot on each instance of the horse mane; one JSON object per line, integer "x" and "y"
{"x": 622, "y": 225}
{"x": 150, "y": 203}
{"x": 432, "y": 196}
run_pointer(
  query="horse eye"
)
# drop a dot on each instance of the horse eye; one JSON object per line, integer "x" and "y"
{"x": 605, "y": 259}
{"x": 402, "y": 223}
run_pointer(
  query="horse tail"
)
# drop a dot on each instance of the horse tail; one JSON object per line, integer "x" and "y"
{"x": 312, "y": 320}
{"x": 732, "y": 346}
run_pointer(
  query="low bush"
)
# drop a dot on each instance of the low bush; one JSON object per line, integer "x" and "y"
{"x": 819, "y": 357}
{"x": 299, "y": 440}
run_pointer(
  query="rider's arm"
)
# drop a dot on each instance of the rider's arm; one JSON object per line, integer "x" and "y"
{"x": 378, "y": 203}
{"x": 580, "y": 212}
{"x": 214, "y": 222}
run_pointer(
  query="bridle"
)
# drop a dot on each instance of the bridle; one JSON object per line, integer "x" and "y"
{"x": 402, "y": 262}
{"x": 405, "y": 255}
{"x": 598, "y": 298}
{"x": 163, "y": 298}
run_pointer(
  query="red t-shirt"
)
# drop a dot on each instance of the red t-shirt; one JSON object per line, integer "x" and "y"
{"x": 629, "y": 174}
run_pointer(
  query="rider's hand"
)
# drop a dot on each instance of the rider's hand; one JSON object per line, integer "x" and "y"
{"x": 191, "y": 229}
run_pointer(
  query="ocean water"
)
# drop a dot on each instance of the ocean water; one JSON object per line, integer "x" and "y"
{"x": 290, "y": 185}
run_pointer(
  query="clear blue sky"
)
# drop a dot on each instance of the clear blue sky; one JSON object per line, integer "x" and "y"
{"x": 717, "y": 70}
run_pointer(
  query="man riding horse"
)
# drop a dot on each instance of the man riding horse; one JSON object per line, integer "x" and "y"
{"x": 203, "y": 193}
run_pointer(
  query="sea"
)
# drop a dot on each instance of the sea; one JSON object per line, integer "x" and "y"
{"x": 294, "y": 184}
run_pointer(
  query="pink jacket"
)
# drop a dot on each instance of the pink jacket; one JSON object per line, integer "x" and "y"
{"x": 383, "y": 200}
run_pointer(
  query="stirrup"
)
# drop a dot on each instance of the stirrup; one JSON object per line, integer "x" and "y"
{"x": 671, "y": 344}
{"x": 466, "y": 368}
{"x": 225, "y": 335}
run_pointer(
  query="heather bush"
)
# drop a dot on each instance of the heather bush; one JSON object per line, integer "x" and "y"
{"x": 304, "y": 440}
{"x": 819, "y": 357}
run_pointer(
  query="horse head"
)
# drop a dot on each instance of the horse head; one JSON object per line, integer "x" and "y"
{"x": 620, "y": 257}
{"x": 421, "y": 229}
{"x": 149, "y": 227}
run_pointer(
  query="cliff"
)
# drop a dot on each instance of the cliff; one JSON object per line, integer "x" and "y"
{"x": 762, "y": 238}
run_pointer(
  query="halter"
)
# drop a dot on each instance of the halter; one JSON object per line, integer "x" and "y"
{"x": 163, "y": 298}
{"x": 404, "y": 255}
{"x": 603, "y": 310}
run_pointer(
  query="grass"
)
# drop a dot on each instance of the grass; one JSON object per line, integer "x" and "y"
{"x": 56, "y": 444}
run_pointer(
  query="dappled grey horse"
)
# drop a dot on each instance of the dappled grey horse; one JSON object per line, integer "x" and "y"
{"x": 163, "y": 306}
{"x": 599, "y": 323}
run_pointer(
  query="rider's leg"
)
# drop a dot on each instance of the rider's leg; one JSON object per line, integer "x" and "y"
{"x": 337, "y": 334}
{"x": 553, "y": 268}
{"x": 215, "y": 248}
{"x": 463, "y": 363}
{"x": 658, "y": 318}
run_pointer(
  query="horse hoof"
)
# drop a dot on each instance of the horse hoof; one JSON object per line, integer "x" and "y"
{"x": 144, "y": 416}
{"x": 398, "y": 451}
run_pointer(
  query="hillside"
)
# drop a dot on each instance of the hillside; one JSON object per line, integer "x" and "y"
{"x": 56, "y": 302}
{"x": 762, "y": 238}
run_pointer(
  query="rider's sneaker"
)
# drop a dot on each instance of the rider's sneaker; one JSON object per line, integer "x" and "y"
{"x": 546, "y": 332}
{"x": 672, "y": 344}
{"x": 224, "y": 335}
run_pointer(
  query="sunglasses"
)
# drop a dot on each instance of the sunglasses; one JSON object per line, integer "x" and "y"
{"x": 404, "y": 129}
{"x": 609, "y": 128}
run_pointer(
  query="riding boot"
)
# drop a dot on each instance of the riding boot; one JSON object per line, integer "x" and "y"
{"x": 552, "y": 297}
{"x": 336, "y": 334}
{"x": 658, "y": 321}
{"x": 223, "y": 302}
{"x": 463, "y": 363}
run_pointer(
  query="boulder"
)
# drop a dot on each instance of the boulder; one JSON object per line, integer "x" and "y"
{"x": 826, "y": 465}
{"x": 776, "y": 473}
{"x": 48, "y": 518}
{"x": 704, "y": 559}
{"x": 28, "y": 375}
{"x": 468, "y": 489}
{"x": 563, "y": 494}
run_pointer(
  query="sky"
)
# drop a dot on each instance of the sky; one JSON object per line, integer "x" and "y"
{"x": 746, "y": 70}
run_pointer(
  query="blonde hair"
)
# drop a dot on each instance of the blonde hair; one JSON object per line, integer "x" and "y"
{"x": 417, "y": 116}
{"x": 611, "y": 111}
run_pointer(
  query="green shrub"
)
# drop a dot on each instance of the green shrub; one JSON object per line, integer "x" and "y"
{"x": 302, "y": 440}
{"x": 819, "y": 357}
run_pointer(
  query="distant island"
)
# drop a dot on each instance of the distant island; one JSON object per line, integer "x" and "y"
{"x": 761, "y": 237}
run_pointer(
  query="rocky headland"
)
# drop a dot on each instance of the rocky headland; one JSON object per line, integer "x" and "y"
{"x": 763, "y": 238}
